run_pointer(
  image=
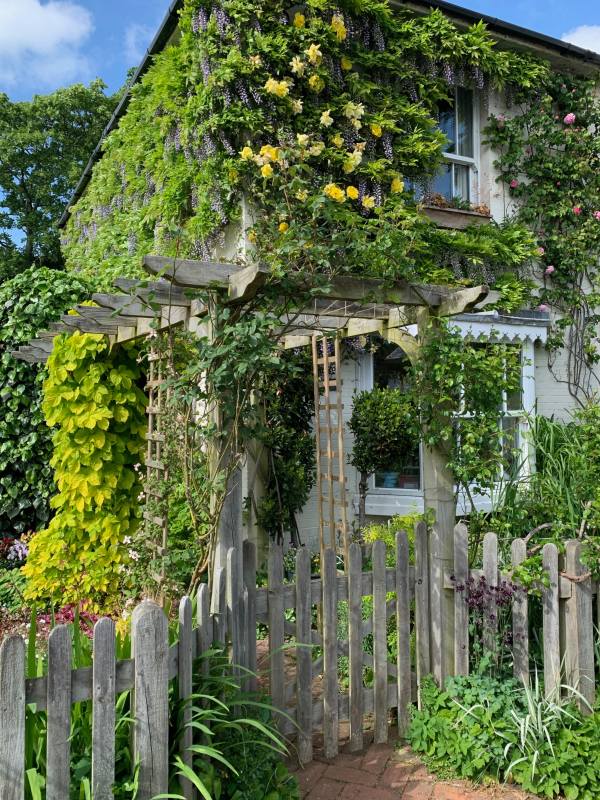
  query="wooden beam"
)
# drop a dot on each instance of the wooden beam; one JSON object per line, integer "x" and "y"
{"x": 162, "y": 292}
{"x": 89, "y": 325}
{"x": 404, "y": 340}
{"x": 125, "y": 305}
{"x": 42, "y": 344}
{"x": 245, "y": 285}
{"x": 191, "y": 274}
{"x": 461, "y": 300}
{"x": 375, "y": 290}
{"x": 360, "y": 327}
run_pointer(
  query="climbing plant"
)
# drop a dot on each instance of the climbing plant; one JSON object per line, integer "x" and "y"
{"x": 549, "y": 162}
{"x": 92, "y": 397}
{"x": 316, "y": 115}
{"x": 29, "y": 302}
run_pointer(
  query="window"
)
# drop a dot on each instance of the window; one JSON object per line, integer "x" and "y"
{"x": 456, "y": 180}
{"x": 390, "y": 371}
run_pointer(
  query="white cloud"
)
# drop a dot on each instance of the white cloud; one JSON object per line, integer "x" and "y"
{"x": 137, "y": 39}
{"x": 586, "y": 36}
{"x": 40, "y": 43}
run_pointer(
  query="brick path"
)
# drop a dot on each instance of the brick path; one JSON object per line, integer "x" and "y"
{"x": 385, "y": 772}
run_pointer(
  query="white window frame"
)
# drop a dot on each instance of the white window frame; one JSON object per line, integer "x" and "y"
{"x": 472, "y": 163}
{"x": 387, "y": 502}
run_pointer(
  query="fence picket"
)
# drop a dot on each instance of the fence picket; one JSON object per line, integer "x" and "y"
{"x": 330, "y": 656}
{"x": 550, "y": 600}
{"x": 249, "y": 573}
{"x": 579, "y": 629}
{"x": 403, "y": 632}
{"x": 380, "y": 666}
{"x": 461, "y": 595}
{"x": 490, "y": 573}
{"x": 422, "y": 601}
{"x": 355, "y": 646}
{"x": 219, "y": 610}
{"x": 185, "y": 655}
{"x": 520, "y": 623}
{"x": 12, "y": 718}
{"x": 150, "y": 642}
{"x": 235, "y": 609}
{"x": 104, "y": 676}
{"x": 205, "y": 632}
{"x": 276, "y": 626}
{"x": 303, "y": 656}
{"x": 58, "y": 709}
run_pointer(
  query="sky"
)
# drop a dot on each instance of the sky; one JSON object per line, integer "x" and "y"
{"x": 45, "y": 44}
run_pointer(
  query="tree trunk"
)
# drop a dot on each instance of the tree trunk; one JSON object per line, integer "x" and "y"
{"x": 363, "y": 487}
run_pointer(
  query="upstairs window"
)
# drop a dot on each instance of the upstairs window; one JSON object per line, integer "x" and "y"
{"x": 456, "y": 180}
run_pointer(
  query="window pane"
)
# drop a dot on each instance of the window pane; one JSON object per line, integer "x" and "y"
{"x": 514, "y": 400}
{"x": 442, "y": 183}
{"x": 464, "y": 114}
{"x": 511, "y": 445}
{"x": 462, "y": 181}
{"x": 447, "y": 125}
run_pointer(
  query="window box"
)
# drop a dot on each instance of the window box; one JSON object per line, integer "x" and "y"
{"x": 455, "y": 217}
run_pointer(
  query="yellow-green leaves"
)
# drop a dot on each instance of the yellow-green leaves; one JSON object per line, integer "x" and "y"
{"x": 92, "y": 398}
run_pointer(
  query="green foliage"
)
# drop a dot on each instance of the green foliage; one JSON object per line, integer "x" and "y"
{"x": 12, "y": 586}
{"x": 288, "y": 410}
{"x": 44, "y": 144}
{"x": 93, "y": 398}
{"x": 386, "y": 532}
{"x": 549, "y": 160}
{"x": 479, "y": 728}
{"x": 29, "y": 302}
{"x": 384, "y": 426}
{"x": 296, "y": 118}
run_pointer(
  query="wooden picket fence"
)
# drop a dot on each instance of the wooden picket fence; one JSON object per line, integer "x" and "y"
{"x": 317, "y": 632}
{"x": 568, "y": 616}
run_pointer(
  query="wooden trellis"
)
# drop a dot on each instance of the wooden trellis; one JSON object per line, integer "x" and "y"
{"x": 329, "y": 448}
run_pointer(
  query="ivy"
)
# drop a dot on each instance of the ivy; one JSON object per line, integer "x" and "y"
{"x": 92, "y": 396}
{"x": 28, "y": 304}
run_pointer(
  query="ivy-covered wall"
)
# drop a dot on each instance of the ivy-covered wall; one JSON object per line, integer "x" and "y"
{"x": 319, "y": 114}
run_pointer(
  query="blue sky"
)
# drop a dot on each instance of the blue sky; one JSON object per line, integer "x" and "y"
{"x": 45, "y": 44}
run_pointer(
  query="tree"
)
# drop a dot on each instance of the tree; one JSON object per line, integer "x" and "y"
{"x": 44, "y": 145}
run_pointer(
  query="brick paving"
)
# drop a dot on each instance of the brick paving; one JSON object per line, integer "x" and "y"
{"x": 387, "y": 772}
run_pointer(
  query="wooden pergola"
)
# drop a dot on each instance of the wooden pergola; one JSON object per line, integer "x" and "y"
{"x": 346, "y": 306}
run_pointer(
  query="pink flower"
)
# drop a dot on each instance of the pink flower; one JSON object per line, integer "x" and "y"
{"x": 569, "y": 118}
{"x": 541, "y": 251}
{"x": 549, "y": 270}
{"x": 577, "y": 210}
{"x": 543, "y": 307}
{"x": 514, "y": 183}
{"x": 597, "y": 215}
{"x": 558, "y": 183}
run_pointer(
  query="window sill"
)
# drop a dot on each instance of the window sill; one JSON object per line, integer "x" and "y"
{"x": 457, "y": 218}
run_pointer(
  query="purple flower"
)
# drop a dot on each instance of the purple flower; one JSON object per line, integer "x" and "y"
{"x": 569, "y": 118}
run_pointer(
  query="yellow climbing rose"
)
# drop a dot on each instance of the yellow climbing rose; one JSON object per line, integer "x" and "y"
{"x": 297, "y": 66}
{"x": 376, "y": 129}
{"x": 269, "y": 153}
{"x": 297, "y": 106}
{"x": 283, "y": 227}
{"x": 266, "y": 171}
{"x": 346, "y": 64}
{"x": 314, "y": 54}
{"x": 368, "y": 201}
{"x": 246, "y": 153}
{"x": 316, "y": 83}
{"x": 338, "y": 140}
{"x": 299, "y": 20}
{"x": 352, "y": 192}
{"x": 333, "y": 191}
{"x": 279, "y": 88}
{"x": 326, "y": 118}
{"x": 337, "y": 23}
{"x": 397, "y": 185}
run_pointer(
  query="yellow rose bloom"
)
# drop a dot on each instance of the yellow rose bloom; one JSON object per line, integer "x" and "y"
{"x": 283, "y": 227}
{"x": 317, "y": 148}
{"x": 302, "y": 139}
{"x": 297, "y": 66}
{"x": 337, "y": 23}
{"x": 269, "y": 153}
{"x": 352, "y": 192}
{"x": 301, "y": 195}
{"x": 368, "y": 201}
{"x": 326, "y": 119}
{"x": 256, "y": 61}
{"x": 266, "y": 170}
{"x": 338, "y": 140}
{"x": 353, "y": 160}
{"x": 346, "y": 64}
{"x": 279, "y": 88}
{"x": 252, "y": 237}
{"x": 397, "y": 185}
{"x": 246, "y": 153}
{"x": 314, "y": 54}
{"x": 333, "y": 191}
{"x": 297, "y": 106}
{"x": 299, "y": 20}
{"x": 376, "y": 129}
{"x": 316, "y": 83}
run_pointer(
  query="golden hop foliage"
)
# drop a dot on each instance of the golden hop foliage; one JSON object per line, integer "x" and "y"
{"x": 92, "y": 398}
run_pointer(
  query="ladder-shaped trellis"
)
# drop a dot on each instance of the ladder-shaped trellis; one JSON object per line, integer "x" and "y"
{"x": 156, "y": 515}
{"x": 329, "y": 435}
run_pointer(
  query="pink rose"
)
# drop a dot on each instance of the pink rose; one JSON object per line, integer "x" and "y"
{"x": 514, "y": 183}
{"x": 541, "y": 251}
{"x": 549, "y": 270}
{"x": 577, "y": 210}
{"x": 597, "y": 215}
{"x": 558, "y": 183}
{"x": 569, "y": 118}
{"x": 543, "y": 307}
